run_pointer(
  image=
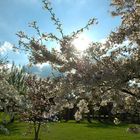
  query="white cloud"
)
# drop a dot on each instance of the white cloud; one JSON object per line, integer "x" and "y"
{"x": 41, "y": 66}
{"x": 9, "y": 66}
{"x": 6, "y": 47}
{"x": 103, "y": 40}
{"x": 42, "y": 70}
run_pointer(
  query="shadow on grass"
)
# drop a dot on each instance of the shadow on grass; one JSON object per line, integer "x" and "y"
{"x": 17, "y": 131}
{"x": 16, "y": 128}
{"x": 95, "y": 123}
{"x": 105, "y": 125}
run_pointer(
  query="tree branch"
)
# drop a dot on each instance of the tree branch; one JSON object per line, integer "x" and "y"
{"x": 130, "y": 93}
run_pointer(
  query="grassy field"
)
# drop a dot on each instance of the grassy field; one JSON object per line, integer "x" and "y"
{"x": 72, "y": 131}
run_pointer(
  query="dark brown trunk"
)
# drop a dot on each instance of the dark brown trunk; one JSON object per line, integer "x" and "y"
{"x": 36, "y": 130}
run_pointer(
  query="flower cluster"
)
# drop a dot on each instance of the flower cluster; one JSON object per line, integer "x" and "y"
{"x": 116, "y": 121}
{"x": 82, "y": 108}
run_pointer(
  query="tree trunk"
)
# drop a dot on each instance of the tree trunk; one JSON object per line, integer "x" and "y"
{"x": 89, "y": 118}
{"x": 89, "y": 114}
{"x": 36, "y": 130}
{"x": 12, "y": 118}
{"x": 67, "y": 114}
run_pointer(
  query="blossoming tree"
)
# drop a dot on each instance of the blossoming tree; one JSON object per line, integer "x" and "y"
{"x": 104, "y": 71}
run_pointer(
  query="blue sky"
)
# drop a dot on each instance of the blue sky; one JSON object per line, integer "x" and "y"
{"x": 74, "y": 14}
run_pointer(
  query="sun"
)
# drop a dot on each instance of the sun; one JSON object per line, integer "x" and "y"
{"x": 81, "y": 42}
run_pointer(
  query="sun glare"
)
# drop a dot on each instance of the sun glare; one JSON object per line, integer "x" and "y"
{"x": 81, "y": 42}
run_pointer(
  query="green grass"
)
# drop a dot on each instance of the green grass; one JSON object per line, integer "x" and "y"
{"x": 72, "y": 131}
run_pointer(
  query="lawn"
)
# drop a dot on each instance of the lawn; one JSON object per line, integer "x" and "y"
{"x": 72, "y": 131}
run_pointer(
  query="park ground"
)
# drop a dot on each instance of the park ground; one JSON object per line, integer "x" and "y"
{"x": 71, "y": 131}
